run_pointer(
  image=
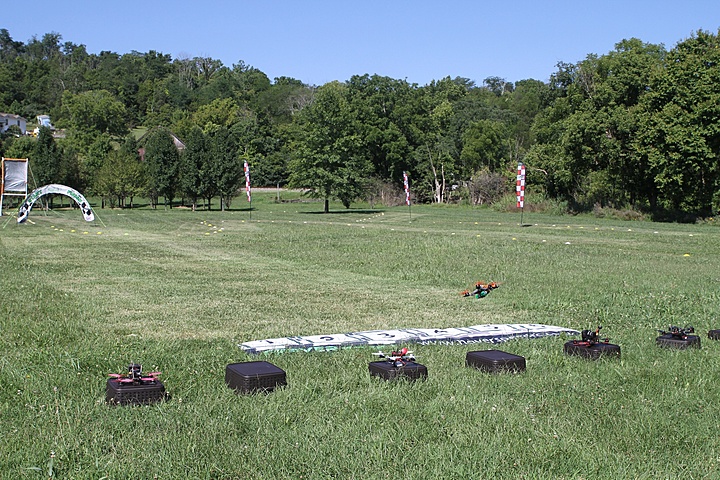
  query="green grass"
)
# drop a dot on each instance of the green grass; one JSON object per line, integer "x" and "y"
{"x": 178, "y": 291}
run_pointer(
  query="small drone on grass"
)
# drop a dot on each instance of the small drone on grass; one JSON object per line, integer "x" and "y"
{"x": 590, "y": 338}
{"x": 135, "y": 376}
{"x": 399, "y": 358}
{"x": 677, "y": 332}
{"x": 481, "y": 290}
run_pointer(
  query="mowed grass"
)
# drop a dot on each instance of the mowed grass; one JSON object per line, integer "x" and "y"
{"x": 178, "y": 291}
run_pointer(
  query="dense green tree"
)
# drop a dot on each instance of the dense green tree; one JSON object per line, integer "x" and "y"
{"x": 162, "y": 163}
{"x": 633, "y": 127}
{"x": 224, "y": 167}
{"x": 194, "y": 164}
{"x": 681, "y": 127}
{"x": 45, "y": 158}
{"x": 94, "y": 112}
{"x": 484, "y": 146}
{"x": 436, "y": 153}
{"x": 121, "y": 178}
{"x": 93, "y": 156}
{"x": 22, "y": 147}
{"x": 284, "y": 99}
{"x": 9, "y": 48}
{"x": 71, "y": 172}
{"x": 221, "y": 112}
{"x": 384, "y": 110}
{"x": 330, "y": 162}
{"x": 586, "y": 138}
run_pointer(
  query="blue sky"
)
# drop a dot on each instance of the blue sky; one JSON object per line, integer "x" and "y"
{"x": 318, "y": 41}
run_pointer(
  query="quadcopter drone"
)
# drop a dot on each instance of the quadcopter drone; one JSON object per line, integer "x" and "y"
{"x": 481, "y": 290}
{"x": 135, "y": 376}
{"x": 398, "y": 359}
{"x": 590, "y": 338}
{"x": 677, "y": 332}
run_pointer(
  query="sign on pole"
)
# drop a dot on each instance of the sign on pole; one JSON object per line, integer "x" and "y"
{"x": 13, "y": 178}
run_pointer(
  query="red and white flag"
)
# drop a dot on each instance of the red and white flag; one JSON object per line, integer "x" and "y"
{"x": 247, "y": 180}
{"x": 407, "y": 188}
{"x": 520, "y": 186}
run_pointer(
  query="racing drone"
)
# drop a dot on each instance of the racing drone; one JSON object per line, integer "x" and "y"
{"x": 481, "y": 290}
{"x": 677, "y": 332}
{"x": 590, "y": 338}
{"x": 135, "y": 376}
{"x": 397, "y": 359}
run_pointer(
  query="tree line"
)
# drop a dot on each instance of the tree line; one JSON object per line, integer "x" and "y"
{"x": 636, "y": 128}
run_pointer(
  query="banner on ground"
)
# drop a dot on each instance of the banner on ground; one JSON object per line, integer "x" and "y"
{"x": 490, "y": 333}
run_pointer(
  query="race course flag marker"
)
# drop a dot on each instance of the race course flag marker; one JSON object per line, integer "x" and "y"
{"x": 520, "y": 190}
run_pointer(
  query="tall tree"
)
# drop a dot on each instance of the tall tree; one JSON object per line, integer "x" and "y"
{"x": 329, "y": 161}
{"x": 94, "y": 112}
{"x": 46, "y": 158}
{"x": 194, "y": 165}
{"x": 225, "y": 168}
{"x": 681, "y": 126}
{"x": 587, "y": 137}
{"x": 162, "y": 158}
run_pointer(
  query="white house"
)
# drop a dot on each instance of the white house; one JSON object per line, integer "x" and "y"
{"x": 8, "y": 119}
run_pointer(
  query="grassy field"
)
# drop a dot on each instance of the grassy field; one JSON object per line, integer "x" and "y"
{"x": 178, "y": 291}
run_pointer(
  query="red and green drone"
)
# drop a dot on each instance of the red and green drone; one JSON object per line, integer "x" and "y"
{"x": 481, "y": 289}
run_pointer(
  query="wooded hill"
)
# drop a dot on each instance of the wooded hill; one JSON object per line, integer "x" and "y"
{"x": 636, "y": 128}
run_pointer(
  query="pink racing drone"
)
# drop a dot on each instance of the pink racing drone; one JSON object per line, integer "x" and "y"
{"x": 135, "y": 376}
{"x": 399, "y": 358}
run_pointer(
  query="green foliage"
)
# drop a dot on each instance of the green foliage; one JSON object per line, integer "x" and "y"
{"x": 95, "y": 112}
{"x": 225, "y": 168}
{"x": 95, "y": 155}
{"x": 681, "y": 137}
{"x": 635, "y": 127}
{"x": 122, "y": 177}
{"x": 484, "y": 146}
{"x": 194, "y": 167}
{"x": 330, "y": 163}
{"x": 22, "y": 147}
{"x": 162, "y": 160}
{"x": 45, "y": 158}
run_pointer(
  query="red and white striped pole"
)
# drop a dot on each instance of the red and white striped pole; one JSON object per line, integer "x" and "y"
{"x": 406, "y": 184}
{"x": 520, "y": 190}
{"x": 246, "y": 167}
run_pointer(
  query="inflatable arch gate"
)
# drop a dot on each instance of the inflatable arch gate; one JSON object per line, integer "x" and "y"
{"x": 30, "y": 200}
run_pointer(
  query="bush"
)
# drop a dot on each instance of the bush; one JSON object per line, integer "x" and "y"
{"x": 486, "y": 187}
{"x": 620, "y": 214}
{"x": 534, "y": 204}
{"x": 384, "y": 193}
